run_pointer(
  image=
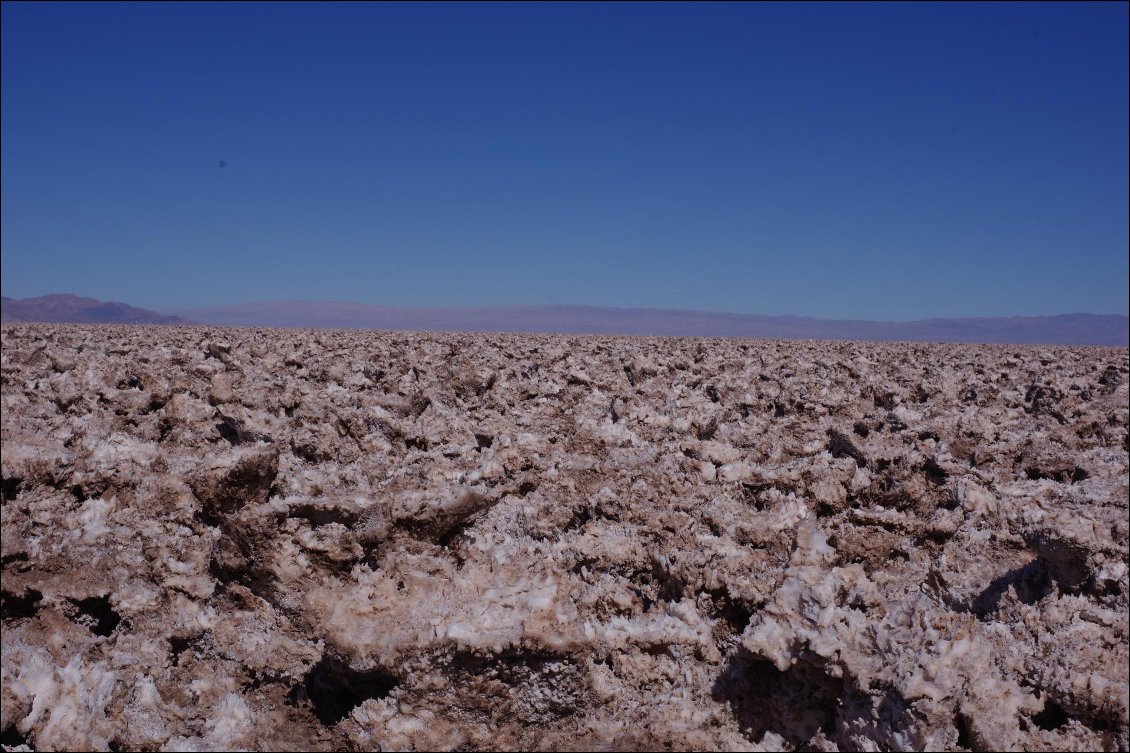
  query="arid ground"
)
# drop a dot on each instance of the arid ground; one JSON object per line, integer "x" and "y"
{"x": 269, "y": 539}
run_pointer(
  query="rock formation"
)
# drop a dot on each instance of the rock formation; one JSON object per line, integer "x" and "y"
{"x": 264, "y": 539}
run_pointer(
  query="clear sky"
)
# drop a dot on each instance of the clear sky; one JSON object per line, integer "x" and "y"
{"x": 878, "y": 161}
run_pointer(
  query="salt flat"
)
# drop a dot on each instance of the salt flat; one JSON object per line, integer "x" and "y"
{"x": 285, "y": 539}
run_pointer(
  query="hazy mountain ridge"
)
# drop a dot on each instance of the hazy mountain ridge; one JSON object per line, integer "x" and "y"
{"x": 1073, "y": 329}
{"x": 66, "y": 308}
{"x": 1076, "y": 329}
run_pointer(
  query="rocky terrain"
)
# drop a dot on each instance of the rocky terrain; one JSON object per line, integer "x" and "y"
{"x": 291, "y": 540}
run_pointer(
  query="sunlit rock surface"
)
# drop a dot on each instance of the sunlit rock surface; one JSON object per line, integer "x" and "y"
{"x": 258, "y": 539}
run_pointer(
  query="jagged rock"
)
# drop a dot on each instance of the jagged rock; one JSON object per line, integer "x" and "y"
{"x": 221, "y": 539}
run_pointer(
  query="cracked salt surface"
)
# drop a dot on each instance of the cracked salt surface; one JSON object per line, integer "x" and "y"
{"x": 279, "y": 539}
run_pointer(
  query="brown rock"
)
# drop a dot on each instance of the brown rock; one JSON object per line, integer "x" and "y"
{"x": 255, "y": 539}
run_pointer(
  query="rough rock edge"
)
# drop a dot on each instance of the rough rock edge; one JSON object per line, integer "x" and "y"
{"x": 277, "y": 539}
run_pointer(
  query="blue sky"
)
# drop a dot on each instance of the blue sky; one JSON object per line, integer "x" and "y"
{"x": 878, "y": 161}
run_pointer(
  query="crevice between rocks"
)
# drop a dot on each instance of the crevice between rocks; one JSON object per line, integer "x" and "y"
{"x": 333, "y": 688}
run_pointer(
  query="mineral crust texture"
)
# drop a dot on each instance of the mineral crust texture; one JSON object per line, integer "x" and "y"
{"x": 316, "y": 540}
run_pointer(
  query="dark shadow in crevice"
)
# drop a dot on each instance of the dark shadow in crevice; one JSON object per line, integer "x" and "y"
{"x": 1057, "y": 565}
{"x": 308, "y": 452}
{"x": 1032, "y": 582}
{"x": 19, "y": 606}
{"x": 453, "y": 534}
{"x": 416, "y": 443}
{"x": 671, "y": 587}
{"x": 734, "y": 613}
{"x": 580, "y": 517}
{"x": 319, "y": 515}
{"x": 10, "y": 489}
{"x": 239, "y": 557}
{"x": 964, "y": 737}
{"x": 796, "y": 704}
{"x": 935, "y": 474}
{"x": 206, "y": 518}
{"x": 1052, "y": 717}
{"x": 14, "y": 557}
{"x": 1064, "y": 473}
{"x": 257, "y": 581}
{"x": 178, "y": 644}
{"x": 230, "y": 430}
{"x": 554, "y": 679}
{"x": 334, "y": 689}
{"x": 841, "y": 446}
{"x": 1066, "y": 561}
{"x": 98, "y": 609}
{"x": 11, "y": 737}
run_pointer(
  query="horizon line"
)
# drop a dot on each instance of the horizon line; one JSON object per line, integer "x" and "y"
{"x": 712, "y": 312}
{"x": 180, "y": 310}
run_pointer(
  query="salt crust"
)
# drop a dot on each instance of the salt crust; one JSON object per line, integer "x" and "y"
{"x": 265, "y": 539}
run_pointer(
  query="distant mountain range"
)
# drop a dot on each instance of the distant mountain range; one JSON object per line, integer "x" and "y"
{"x": 1068, "y": 329}
{"x": 64, "y": 307}
{"x": 1076, "y": 329}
